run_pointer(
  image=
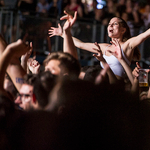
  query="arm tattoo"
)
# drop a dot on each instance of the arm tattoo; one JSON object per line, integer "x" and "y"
{"x": 19, "y": 80}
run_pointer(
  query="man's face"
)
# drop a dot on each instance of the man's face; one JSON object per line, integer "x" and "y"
{"x": 26, "y": 96}
{"x": 53, "y": 67}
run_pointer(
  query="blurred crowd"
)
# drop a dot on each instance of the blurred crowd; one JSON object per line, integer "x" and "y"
{"x": 134, "y": 12}
{"x": 65, "y": 106}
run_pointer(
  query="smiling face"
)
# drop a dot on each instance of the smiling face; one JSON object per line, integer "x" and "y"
{"x": 115, "y": 30}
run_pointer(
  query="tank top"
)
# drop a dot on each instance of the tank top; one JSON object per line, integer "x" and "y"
{"x": 115, "y": 65}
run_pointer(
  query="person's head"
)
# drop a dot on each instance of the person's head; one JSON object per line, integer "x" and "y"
{"x": 26, "y": 96}
{"x": 92, "y": 72}
{"x": 118, "y": 28}
{"x": 59, "y": 63}
{"x": 70, "y": 94}
{"x": 35, "y": 90}
{"x": 43, "y": 85}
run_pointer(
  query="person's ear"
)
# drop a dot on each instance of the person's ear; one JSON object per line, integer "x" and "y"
{"x": 34, "y": 98}
{"x": 123, "y": 30}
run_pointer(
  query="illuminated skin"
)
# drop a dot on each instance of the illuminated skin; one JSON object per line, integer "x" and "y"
{"x": 114, "y": 29}
{"x": 53, "y": 67}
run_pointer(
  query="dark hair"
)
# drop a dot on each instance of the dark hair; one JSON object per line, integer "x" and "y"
{"x": 126, "y": 36}
{"x": 67, "y": 63}
{"x": 30, "y": 79}
{"x": 43, "y": 85}
{"x": 92, "y": 72}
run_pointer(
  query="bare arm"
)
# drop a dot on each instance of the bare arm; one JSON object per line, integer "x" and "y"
{"x": 137, "y": 40}
{"x": 78, "y": 43}
{"x": 118, "y": 54}
{"x": 99, "y": 56}
{"x": 68, "y": 45}
{"x": 14, "y": 69}
{"x": 12, "y": 50}
{"x": 25, "y": 57}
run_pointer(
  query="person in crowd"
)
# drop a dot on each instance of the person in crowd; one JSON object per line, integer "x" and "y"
{"x": 74, "y": 5}
{"x": 146, "y": 16}
{"x": 33, "y": 94}
{"x": 121, "y": 7}
{"x": 60, "y": 63}
{"x": 42, "y": 8}
{"x": 110, "y": 11}
{"x": 55, "y": 8}
{"x": 117, "y": 29}
{"x": 27, "y": 7}
{"x": 9, "y": 87}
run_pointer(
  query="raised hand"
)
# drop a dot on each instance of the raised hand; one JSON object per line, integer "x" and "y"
{"x": 34, "y": 66}
{"x": 69, "y": 18}
{"x": 117, "y": 53}
{"x": 99, "y": 55}
{"x": 55, "y": 31}
{"x": 26, "y": 56}
{"x": 19, "y": 48}
{"x": 100, "y": 78}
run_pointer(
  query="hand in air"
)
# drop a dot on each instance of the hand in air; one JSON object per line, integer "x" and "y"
{"x": 19, "y": 48}
{"x": 117, "y": 53}
{"x": 55, "y": 31}
{"x": 69, "y": 18}
{"x": 26, "y": 56}
{"x": 33, "y": 66}
{"x": 99, "y": 55}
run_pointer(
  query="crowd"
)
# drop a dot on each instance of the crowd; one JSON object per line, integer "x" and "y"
{"x": 135, "y": 13}
{"x": 67, "y": 106}
{"x": 63, "y": 105}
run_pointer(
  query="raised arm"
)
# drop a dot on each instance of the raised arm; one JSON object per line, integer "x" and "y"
{"x": 68, "y": 45}
{"x": 13, "y": 50}
{"x": 99, "y": 56}
{"x": 25, "y": 57}
{"x": 118, "y": 54}
{"x": 78, "y": 43}
{"x": 14, "y": 69}
{"x": 137, "y": 40}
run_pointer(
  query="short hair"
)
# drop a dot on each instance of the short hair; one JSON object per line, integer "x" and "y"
{"x": 67, "y": 62}
{"x": 92, "y": 72}
{"x": 43, "y": 84}
{"x": 29, "y": 79}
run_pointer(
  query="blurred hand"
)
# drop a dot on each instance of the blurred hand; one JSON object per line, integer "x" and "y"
{"x": 55, "y": 31}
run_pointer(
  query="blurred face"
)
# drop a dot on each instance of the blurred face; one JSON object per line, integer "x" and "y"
{"x": 26, "y": 96}
{"x": 114, "y": 28}
{"x": 53, "y": 67}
